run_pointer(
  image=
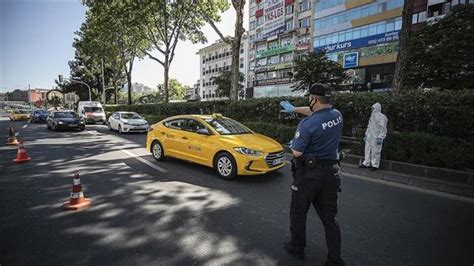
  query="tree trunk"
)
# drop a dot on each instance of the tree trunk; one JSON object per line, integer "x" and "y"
{"x": 116, "y": 91}
{"x": 239, "y": 30}
{"x": 129, "y": 83}
{"x": 166, "y": 79}
{"x": 402, "y": 57}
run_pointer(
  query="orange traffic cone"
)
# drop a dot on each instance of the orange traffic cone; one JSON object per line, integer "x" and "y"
{"x": 12, "y": 137}
{"x": 77, "y": 201}
{"x": 21, "y": 155}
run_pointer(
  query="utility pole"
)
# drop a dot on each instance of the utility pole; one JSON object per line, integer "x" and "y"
{"x": 103, "y": 81}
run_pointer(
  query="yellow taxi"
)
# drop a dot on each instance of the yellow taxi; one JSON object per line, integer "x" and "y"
{"x": 215, "y": 141}
{"x": 17, "y": 115}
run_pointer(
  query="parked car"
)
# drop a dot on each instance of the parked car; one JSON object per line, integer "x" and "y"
{"x": 18, "y": 115}
{"x": 219, "y": 142}
{"x": 127, "y": 122}
{"x": 91, "y": 111}
{"x": 63, "y": 120}
{"x": 39, "y": 115}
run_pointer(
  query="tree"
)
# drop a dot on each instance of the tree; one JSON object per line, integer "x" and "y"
{"x": 224, "y": 86}
{"x": 404, "y": 49}
{"x": 442, "y": 52}
{"x": 114, "y": 36}
{"x": 177, "y": 91}
{"x": 315, "y": 67}
{"x": 233, "y": 41}
{"x": 164, "y": 23}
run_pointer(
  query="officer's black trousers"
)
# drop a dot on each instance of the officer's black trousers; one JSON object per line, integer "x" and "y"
{"x": 318, "y": 186}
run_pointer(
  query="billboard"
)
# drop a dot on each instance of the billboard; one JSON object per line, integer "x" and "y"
{"x": 350, "y": 60}
{"x": 274, "y": 13}
{"x": 392, "y": 36}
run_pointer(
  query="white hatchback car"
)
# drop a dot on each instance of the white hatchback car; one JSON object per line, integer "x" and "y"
{"x": 127, "y": 122}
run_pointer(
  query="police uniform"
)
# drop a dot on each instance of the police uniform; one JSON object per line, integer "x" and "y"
{"x": 317, "y": 177}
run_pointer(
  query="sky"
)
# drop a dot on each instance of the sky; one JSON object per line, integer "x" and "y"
{"x": 36, "y": 44}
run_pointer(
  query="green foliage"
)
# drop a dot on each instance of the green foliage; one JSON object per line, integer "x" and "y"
{"x": 223, "y": 84}
{"x": 426, "y": 127}
{"x": 54, "y": 101}
{"x": 315, "y": 67}
{"x": 441, "y": 53}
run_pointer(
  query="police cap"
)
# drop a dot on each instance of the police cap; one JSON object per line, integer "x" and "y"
{"x": 319, "y": 89}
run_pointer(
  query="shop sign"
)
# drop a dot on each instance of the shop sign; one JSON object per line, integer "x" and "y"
{"x": 275, "y": 51}
{"x": 302, "y": 46}
{"x": 351, "y": 60}
{"x": 392, "y": 36}
{"x": 280, "y": 66}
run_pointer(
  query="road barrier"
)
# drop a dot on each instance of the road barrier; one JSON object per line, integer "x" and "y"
{"x": 21, "y": 156}
{"x": 77, "y": 200}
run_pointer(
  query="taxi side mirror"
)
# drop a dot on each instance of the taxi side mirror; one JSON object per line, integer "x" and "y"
{"x": 203, "y": 131}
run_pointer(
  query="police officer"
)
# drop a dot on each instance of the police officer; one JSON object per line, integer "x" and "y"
{"x": 316, "y": 172}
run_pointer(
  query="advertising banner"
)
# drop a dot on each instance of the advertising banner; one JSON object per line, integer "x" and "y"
{"x": 351, "y": 60}
{"x": 274, "y": 13}
{"x": 392, "y": 36}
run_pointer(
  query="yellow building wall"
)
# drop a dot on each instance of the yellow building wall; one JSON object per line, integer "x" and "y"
{"x": 378, "y": 59}
{"x": 356, "y": 3}
{"x": 377, "y": 17}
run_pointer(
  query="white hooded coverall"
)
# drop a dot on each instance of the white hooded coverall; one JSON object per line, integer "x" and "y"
{"x": 377, "y": 129}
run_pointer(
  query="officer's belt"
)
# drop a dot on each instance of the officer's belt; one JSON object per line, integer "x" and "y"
{"x": 312, "y": 162}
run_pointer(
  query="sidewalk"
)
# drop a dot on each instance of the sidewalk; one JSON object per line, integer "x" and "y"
{"x": 432, "y": 178}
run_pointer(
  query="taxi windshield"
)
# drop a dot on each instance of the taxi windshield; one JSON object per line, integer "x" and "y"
{"x": 21, "y": 112}
{"x": 228, "y": 126}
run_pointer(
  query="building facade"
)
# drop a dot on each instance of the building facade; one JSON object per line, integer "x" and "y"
{"x": 279, "y": 31}
{"x": 216, "y": 58}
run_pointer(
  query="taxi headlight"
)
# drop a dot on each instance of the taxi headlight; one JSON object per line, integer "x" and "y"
{"x": 246, "y": 151}
{"x": 60, "y": 122}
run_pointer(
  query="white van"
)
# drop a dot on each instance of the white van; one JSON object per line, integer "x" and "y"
{"x": 91, "y": 111}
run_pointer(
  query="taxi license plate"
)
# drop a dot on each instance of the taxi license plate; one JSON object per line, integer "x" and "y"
{"x": 278, "y": 161}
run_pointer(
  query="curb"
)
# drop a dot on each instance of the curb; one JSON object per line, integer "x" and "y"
{"x": 432, "y": 178}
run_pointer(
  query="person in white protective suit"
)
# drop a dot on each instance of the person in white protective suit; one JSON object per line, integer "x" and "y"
{"x": 374, "y": 136}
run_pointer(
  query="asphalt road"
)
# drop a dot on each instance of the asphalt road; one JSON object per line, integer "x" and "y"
{"x": 177, "y": 213}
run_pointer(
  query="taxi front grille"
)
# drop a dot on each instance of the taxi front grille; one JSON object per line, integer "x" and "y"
{"x": 271, "y": 157}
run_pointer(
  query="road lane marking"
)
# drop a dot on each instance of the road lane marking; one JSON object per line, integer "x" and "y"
{"x": 25, "y": 126}
{"x": 154, "y": 166}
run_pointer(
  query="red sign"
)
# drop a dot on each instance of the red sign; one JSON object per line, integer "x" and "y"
{"x": 289, "y": 2}
{"x": 259, "y": 13}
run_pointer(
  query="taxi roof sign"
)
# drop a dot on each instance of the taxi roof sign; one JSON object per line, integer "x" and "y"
{"x": 215, "y": 115}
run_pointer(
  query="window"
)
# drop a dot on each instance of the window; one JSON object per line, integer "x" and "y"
{"x": 193, "y": 125}
{"x": 289, "y": 25}
{"x": 422, "y": 16}
{"x": 272, "y": 75}
{"x": 252, "y": 25}
{"x": 288, "y": 57}
{"x": 304, "y": 23}
{"x": 260, "y": 20}
{"x": 289, "y": 9}
{"x": 398, "y": 24}
{"x": 274, "y": 60}
{"x": 305, "y": 5}
{"x": 380, "y": 28}
{"x": 241, "y": 65}
{"x": 175, "y": 124}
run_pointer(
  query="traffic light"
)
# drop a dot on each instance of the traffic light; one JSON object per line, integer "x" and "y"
{"x": 60, "y": 78}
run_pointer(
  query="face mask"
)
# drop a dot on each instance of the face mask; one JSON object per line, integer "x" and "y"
{"x": 311, "y": 102}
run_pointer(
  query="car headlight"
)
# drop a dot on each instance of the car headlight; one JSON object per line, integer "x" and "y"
{"x": 246, "y": 151}
{"x": 125, "y": 123}
{"x": 60, "y": 122}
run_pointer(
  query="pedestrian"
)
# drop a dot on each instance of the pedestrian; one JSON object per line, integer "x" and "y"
{"x": 316, "y": 172}
{"x": 374, "y": 137}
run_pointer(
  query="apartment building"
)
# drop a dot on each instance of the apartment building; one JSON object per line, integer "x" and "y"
{"x": 363, "y": 35}
{"x": 279, "y": 31}
{"x": 216, "y": 58}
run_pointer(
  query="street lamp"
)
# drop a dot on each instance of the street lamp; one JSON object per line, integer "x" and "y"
{"x": 61, "y": 79}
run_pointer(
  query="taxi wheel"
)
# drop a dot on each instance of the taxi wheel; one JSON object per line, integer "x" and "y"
{"x": 225, "y": 166}
{"x": 120, "y": 129}
{"x": 157, "y": 151}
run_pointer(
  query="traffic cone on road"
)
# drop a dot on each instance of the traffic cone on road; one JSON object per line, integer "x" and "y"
{"x": 12, "y": 137}
{"x": 77, "y": 201}
{"x": 21, "y": 155}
